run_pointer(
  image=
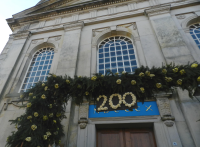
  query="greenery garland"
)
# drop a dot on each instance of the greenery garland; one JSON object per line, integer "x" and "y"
{"x": 41, "y": 125}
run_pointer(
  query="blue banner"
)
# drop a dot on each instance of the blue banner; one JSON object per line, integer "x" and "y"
{"x": 145, "y": 109}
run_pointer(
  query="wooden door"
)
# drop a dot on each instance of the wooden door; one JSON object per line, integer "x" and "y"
{"x": 110, "y": 138}
{"x": 125, "y": 138}
{"x": 139, "y": 138}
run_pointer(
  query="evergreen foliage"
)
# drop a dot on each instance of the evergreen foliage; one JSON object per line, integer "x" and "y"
{"x": 48, "y": 99}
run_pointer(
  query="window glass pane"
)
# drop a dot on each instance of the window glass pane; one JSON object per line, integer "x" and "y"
{"x": 132, "y": 57}
{"x": 101, "y": 71}
{"x": 40, "y": 68}
{"x": 42, "y": 78}
{"x": 100, "y": 60}
{"x": 106, "y": 54}
{"x": 123, "y": 43}
{"x": 107, "y": 66}
{"x": 101, "y": 66}
{"x": 120, "y": 69}
{"x": 119, "y": 58}
{"x": 131, "y": 52}
{"x": 133, "y": 69}
{"x": 45, "y": 67}
{"x": 100, "y": 55}
{"x": 49, "y": 67}
{"x": 43, "y": 73}
{"x": 118, "y": 48}
{"x": 126, "y": 63}
{"x": 119, "y": 53}
{"x": 112, "y": 48}
{"x": 100, "y": 50}
{"x": 128, "y": 69}
{"x": 120, "y": 64}
{"x": 112, "y": 53}
{"x": 133, "y": 62}
{"x": 125, "y": 52}
{"x": 107, "y": 45}
{"x": 113, "y": 59}
{"x": 31, "y": 80}
{"x": 106, "y": 49}
{"x": 42, "y": 62}
{"x": 107, "y": 60}
{"x": 125, "y": 57}
{"x": 114, "y": 70}
{"x": 32, "y": 74}
{"x": 130, "y": 46}
{"x": 36, "y": 79}
{"x": 124, "y": 47}
{"x": 113, "y": 65}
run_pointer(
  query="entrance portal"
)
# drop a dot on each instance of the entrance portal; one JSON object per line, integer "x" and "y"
{"x": 125, "y": 138}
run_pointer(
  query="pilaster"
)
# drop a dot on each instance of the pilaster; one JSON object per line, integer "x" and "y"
{"x": 69, "y": 50}
{"x": 169, "y": 127}
{"x": 10, "y": 58}
{"x": 170, "y": 40}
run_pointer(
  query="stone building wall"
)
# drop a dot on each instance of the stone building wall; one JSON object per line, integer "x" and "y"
{"x": 159, "y": 30}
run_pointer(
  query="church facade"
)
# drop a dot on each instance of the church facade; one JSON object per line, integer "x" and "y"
{"x": 83, "y": 37}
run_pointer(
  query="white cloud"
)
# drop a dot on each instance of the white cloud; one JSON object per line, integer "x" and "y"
{"x": 4, "y": 33}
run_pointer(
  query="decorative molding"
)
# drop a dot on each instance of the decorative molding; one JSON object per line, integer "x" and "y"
{"x": 73, "y": 26}
{"x": 83, "y": 115}
{"x": 186, "y": 21}
{"x": 164, "y": 106}
{"x": 57, "y": 38}
{"x": 34, "y": 41}
{"x": 21, "y": 35}
{"x": 169, "y": 123}
{"x": 157, "y": 10}
{"x": 180, "y": 16}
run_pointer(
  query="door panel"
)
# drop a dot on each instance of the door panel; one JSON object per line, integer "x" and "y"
{"x": 110, "y": 138}
{"x": 125, "y": 138}
{"x": 139, "y": 138}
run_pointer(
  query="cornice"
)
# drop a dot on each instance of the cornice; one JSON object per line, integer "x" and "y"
{"x": 73, "y": 26}
{"x": 67, "y": 10}
{"x": 158, "y": 10}
{"x": 21, "y": 35}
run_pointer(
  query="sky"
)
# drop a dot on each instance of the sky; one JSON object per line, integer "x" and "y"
{"x": 8, "y": 8}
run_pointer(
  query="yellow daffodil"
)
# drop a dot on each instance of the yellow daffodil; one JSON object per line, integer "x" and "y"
{"x": 50, "y": 114}
{"x": 54, "y": 121}
{"x": 141, "y": 74}
{"x": 43, "y": 96}
{"x": 50, "y": 105}
{"x": 86, "y": 93}
{"x": 46, "y": 88}
{"x": 158, "y": 85}
{"x": 45, "y": 137}
{"x": 30, "y": 94}
{"x": 198, "y": 79}
{"x": 28, "y": 139}
{"x": 58, "y": 114}
{"x": 182, "y": 72}
{"x": 48, "y": 133}
{"x": 175, "y": 70}
{"x": 164, "y": 71}
{"x": 194, "y": 65}
{"x": 152, "y": 75}
{"x": 29, "y": 105}
{"x": 168, "y": 79}
{"x": 133, "y": 82}
{"x": 123, "y": 72}
{"x": 102, "y": 75}
{"x": 45, "y": 118}
{"x": 33, "y": 127}
{"x": 94, "y": 78}
{"x": 147, "y": 73}
{"x": 179, "y": 82}
{"x": 119, "y": 81}
{"x": 43, "y": 84}
{"x": 34, "y": 97}
{"x": 29, "y": 117}
{"x": 68, "y": 81}
{"x": 142, "y": 89}
{"x": 36, "y": 114}
{"x": 56, "y": 86}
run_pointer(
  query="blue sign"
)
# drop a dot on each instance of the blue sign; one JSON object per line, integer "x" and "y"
{"x": 145, "y": 109}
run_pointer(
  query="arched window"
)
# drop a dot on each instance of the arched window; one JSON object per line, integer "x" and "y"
{"x": 39, "y": 68}
{"x": 117, "y": 54}
{"x": 195, "y": 33}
